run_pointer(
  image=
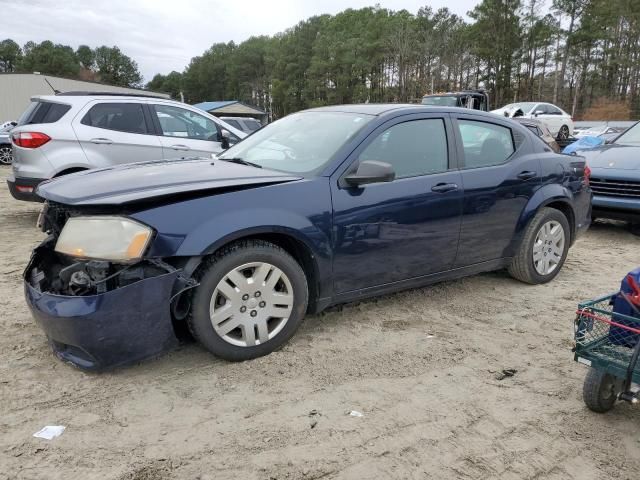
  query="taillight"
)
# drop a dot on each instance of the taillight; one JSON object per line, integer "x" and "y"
{"x": 30, "y": 139}
{"x": 587, "y": 175}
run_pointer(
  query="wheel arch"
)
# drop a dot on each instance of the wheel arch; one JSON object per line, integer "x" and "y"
{"x": 551, "y": 196}
{"x": 291, "y": 242}
{"x": 68, "y": 171}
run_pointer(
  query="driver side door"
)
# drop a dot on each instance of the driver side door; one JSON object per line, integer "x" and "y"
{"x": 389, "y": 232}
{"x": 184, "y": 133}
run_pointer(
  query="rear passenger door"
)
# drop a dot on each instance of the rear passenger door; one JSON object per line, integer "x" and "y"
{"x": 499, "y": 176}
{"x": 112, "y": 133}
{"x": 184, "y": 133}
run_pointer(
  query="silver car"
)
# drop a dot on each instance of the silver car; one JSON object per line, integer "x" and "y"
{"x": 6, "y": 155}
{"x": 69, "y": 132}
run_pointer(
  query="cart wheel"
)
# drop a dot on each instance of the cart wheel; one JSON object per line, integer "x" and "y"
{"x": 600, "y": 391}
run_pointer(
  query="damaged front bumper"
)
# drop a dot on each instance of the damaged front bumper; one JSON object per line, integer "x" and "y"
{"x": 123, "y": 324}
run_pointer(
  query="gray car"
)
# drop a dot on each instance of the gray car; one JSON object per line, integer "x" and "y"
{"x": 70, "y": 132}
{"x": 246, "y": 124}
{"x": 6, "y": 154}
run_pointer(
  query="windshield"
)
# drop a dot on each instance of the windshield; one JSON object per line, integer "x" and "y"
{"x": 299, "y": 143}
{"x": 630, "y": 137}
{"x": 526, "y": 107}
{"x": 441, "y": 101}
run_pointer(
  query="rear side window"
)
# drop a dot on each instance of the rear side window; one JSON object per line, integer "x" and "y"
{"x": 533, "y": 129}
{"x": 485, "y": 144}
{"x": 122, "y": 117}
{"x": 43, "y": 112}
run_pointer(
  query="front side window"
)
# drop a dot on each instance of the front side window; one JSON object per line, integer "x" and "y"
{"x": 301, "y": 143}
{"x": 179, "y": 122}
{"x": 485, "y": 144}
{"x": 122, "y": 117}
{"x": 551, "y": 110}
{"x": 412, "y": 148}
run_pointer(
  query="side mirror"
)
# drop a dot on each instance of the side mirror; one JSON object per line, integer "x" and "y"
{"x": 224, "y": 138}
{"x": 371, "y": 171}
{"x": 538, "y": 112}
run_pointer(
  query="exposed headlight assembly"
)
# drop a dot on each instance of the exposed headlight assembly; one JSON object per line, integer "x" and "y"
{"x": 118, "y": 239}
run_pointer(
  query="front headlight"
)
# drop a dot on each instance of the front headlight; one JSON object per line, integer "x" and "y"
{"x": 104, "y": 238}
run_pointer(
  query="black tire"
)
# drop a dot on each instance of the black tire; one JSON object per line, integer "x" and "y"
{"x": 522, "y": 265}
{"x": 214, "y": 270}
{"x": 599, "y": 391}
{"x": 563, "y": 133}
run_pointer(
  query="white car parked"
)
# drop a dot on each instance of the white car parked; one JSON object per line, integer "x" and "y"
{"x": 559, "y": 122}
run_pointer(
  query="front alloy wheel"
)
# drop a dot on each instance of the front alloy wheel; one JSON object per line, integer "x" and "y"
{"x": 251, "y": 304}
{"x": 6, "y": 155}
{"x": 251, "y": 299}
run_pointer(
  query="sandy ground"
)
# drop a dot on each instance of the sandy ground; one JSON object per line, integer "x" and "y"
{"x": 419, "y": 365}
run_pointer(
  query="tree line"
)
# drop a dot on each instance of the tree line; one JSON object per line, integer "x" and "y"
{"x": 574, "y": 53}
{"x": 104, "y": 64}
{"x": 578, "y": 54}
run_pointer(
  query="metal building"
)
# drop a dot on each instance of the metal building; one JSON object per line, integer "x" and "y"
{"x": 232, "y": 108}
{"x": 16, "y": 90}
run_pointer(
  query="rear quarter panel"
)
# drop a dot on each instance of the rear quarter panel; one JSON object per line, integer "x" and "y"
{"x": 562, "y": 181}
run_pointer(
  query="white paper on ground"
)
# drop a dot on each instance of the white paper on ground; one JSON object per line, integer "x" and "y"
{"x": 50, "y": 432}
{"x": 355, "y": 413}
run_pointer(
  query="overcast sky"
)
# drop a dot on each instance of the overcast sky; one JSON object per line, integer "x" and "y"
{"x": 163, "y": 35}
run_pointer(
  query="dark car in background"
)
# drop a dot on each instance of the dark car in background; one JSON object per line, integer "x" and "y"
{"x": 6, "y": 151}
{"x": 321, "y": 207}
{"x": 615, "y": 177}
{"x": 539, "y": 129}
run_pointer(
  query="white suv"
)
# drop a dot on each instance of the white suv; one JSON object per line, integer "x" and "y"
{"x": 69, "y": 132}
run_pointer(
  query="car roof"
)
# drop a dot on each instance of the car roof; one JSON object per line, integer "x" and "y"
{"x": 83, "y": 97}
{"x": 383, "y": 108}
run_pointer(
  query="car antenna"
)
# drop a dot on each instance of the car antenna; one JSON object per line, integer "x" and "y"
{"x": 54, "y": 90}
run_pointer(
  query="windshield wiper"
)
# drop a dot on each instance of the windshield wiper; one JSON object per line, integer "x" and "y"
{"x": 240, "y": 161}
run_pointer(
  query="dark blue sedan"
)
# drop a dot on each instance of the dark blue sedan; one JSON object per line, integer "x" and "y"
{"x": 322, "y": 207}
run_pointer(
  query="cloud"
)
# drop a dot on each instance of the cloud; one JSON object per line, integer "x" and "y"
{"x": 163, "y": 35}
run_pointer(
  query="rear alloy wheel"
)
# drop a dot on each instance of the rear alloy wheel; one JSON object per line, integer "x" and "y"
{"x": 543, "y": 249}
{"x": 563, "y": 133}
{"x": 548, "y": 247}
{"x": 251, "y": 299}
{"x": 6, "y": 155}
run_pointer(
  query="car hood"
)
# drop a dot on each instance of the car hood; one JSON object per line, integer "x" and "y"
{"x": 619, "y": 157}
{"x": 137, "y": 182}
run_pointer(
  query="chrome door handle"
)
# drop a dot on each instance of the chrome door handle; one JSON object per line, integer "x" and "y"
{"x": 180, "y": 147}
{"x": 101, "y": 141}
{"x": 444, "y": 187}
{"x": 526, "y": 175}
